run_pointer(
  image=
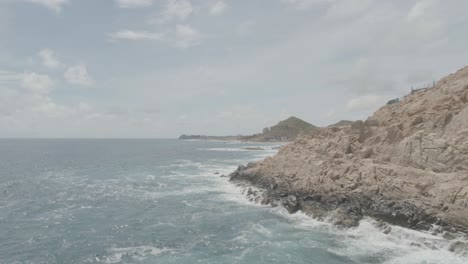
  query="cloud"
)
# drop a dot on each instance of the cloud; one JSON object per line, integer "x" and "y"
{"x": 28, "y": 110}
{"x": 54, "y": 5}
{"x": 305, "y": 4}
{"x": 422, "y": 8}
{"x": 79, "y": 75}
{"x": 218, "y": 8}
{"x": 178, "y": 10}
{"x": 376, "y": 50}
{"x": 175, "y": 34}
{"x": 37, "y": 83}
{"x": 365, "y": 103}
{"x": 49, "y": 59}
{"x": 182, "y": 36}
{"x": 33, "y": 82}
{"x": 137, "y": 35}
{"x": 342, "y": 9}
{"x": 22, "y": 91}
{"x": 133, "y": 3}
{"x": 186, "y": 36}
{"x": 8, "y": 77}
{"x": 334, "y": 8}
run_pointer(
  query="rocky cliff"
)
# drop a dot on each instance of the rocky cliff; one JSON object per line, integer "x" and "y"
{"x": 407, "y": 164}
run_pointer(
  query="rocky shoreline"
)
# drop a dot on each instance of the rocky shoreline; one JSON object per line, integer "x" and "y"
{"x": 346, "y": 211}
{"x": 406, "y": 165}
{"x": 341, "y": 209}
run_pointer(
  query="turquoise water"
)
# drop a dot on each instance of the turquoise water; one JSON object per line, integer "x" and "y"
{"x": 162, "y": 201}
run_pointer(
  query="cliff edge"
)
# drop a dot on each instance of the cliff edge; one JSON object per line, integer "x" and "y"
{"x": 407, "y": 164}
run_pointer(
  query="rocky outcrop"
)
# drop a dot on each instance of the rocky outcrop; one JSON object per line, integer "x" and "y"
{"x": 407, "y": 164}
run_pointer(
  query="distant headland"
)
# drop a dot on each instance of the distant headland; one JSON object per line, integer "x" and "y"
{"x": 286, "y": 130}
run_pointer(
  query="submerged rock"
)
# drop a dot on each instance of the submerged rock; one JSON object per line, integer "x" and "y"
{"x": 254, "y": 148}
{"x": 458, "y": 247}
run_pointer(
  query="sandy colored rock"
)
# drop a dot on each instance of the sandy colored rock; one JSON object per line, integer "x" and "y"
{"x": 407, "y": 164}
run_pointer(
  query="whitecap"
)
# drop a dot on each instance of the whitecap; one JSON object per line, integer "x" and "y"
{"x": 116, "y": 255}
{"x": 401, "y": 245}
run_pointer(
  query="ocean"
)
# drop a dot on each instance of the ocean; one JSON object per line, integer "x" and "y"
{"x": 165, "y": 201}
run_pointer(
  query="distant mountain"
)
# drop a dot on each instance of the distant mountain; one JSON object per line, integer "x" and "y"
{"x": 342, "y": 123}
{"x": 286, "y": 130}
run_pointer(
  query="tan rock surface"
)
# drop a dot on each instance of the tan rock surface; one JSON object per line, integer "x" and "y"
{"x": 413, "y": 152}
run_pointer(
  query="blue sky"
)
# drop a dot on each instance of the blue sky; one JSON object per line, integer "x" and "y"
{"x": 160, "y": 68}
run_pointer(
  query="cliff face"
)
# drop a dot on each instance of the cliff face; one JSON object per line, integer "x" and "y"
{"x": 406, "y": 164}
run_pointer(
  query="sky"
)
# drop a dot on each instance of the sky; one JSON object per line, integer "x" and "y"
{"x": 161, "y": 68}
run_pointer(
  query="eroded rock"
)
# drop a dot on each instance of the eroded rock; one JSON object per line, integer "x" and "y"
{"x": 400, "y": 165}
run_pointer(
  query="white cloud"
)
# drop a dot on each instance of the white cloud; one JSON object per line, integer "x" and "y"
{"x": 21, "y": 92}
{"x": 79, "y": 75}
{"x": 182, "y": 36}
{"x": 49, "y": 59}
{"x": 32, "y": 82}
{"x": 133, "y": 3}
{"x": 391, "y": 41}
{"x": 341, "y": 9}
{"x": 37, "y": 83}
{"x": 334, "y": 8}
{"x": 27, "y": 109}
{"x": 54, "y": 5}
{"x": 365, "y": 103}
{"x": 186, "y": 36}
{"x": 174, "y": 32}
{"x": 218, "y": 8}
{"x": 178, "y": 10}
{"x": 304, "y": 4}
{"x": 137, "y": 35}
{"x": 422, "y": 9}
{"x": 7, "y": 77}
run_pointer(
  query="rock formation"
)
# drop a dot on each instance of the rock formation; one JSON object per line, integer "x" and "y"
{"x": 407, "y": 164}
